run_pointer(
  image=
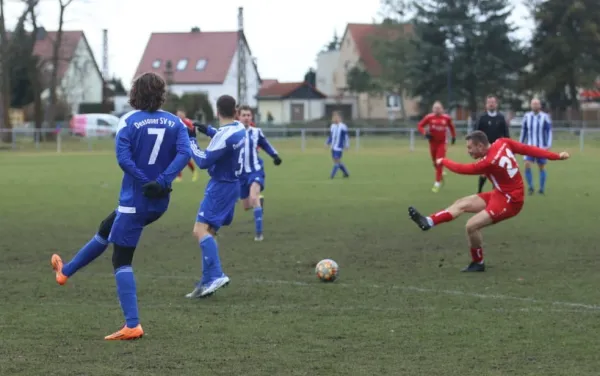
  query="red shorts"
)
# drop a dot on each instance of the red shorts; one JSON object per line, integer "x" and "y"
{"x": 437, "y": 150}
{"x": 500, "y": 207}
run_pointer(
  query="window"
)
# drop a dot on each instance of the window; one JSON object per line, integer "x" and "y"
{"x": 156, "y": 64}
{"x": 181, "y": 64}
{"x": 201, "y": 64}
{"x": 393, "y": 101}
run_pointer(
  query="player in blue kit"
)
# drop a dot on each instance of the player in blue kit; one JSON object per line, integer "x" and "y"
{"x": 252, "y": 179}
{"x": 338, "y": 141}
{"x": 152, "y": 147}
{"x": 223, "y": 158}
{"x": 253, "y": 175}
{"x": 536, "y": 130}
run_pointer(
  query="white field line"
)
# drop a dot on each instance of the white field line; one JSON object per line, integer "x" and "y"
{"x": 575, "y": 306}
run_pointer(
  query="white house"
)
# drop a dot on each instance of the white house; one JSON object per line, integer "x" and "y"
{"x": 201, "y": 62}
{"x": 79, "y": 77}
{"x": 327, "y": 62}
{"x": 288, "y": 102}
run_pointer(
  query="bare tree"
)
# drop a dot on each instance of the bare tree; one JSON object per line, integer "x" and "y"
{"x": 34, "y": 68}
{"x": 5, "y": 84}
{"x": 56, "y": 56}
{"x": 4, "y": 79}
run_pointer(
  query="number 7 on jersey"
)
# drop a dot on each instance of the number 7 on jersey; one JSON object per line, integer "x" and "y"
{"x": 160, "y": 135}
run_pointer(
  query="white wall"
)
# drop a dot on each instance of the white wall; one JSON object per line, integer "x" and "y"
{"x": 314, "y": 109}
{"x": 82, "y": 82}
{"x": 327, "y": 63}
{"x": 229, "y": 86}
{"x": 121, "y": 104}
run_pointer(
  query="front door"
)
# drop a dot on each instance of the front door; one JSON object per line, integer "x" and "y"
{"x": 297, "y": 110}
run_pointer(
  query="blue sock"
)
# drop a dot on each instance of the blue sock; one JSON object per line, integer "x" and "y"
{"x": 335, "y": 170}
{"x": 529, "y": 178}
{"x": 343, "y": 168}
{"x": 211, "y": 264}
{"x": 127, "y": 295}
{"x": 87, "y": 254}
{"x": 258, "y": 220}
{"x": 542, "y": 180}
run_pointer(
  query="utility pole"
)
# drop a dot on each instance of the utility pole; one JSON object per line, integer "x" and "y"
{"x": 241, "y": 52}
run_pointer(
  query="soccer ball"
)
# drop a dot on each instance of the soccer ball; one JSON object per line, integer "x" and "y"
{"x": 327, "y": 270}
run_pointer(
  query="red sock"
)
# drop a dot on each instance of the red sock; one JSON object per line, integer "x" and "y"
{"x": 439, "y": 171}
{"x": 477, "y": 255}
{"x": 441, "y": 217}
{"x": 191, "y": 166}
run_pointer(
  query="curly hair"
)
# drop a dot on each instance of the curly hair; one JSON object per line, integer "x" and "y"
{"x": 148, "y": 92}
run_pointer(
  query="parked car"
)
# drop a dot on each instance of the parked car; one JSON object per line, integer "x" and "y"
{"x": 94, "y": 125}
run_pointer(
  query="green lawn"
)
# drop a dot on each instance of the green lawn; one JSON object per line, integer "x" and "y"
{"x": 400, "y": 306}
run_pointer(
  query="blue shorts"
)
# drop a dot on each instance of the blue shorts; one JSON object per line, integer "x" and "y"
{"x": 218, "y": 206}
{"x": 127, "y": 227}
{"x": 541, "y": 161}
{"x": 336, "y": 154}
{"x": 246, "y": 183}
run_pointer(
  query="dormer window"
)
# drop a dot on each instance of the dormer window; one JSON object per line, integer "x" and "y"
{"x": 156, "y": 64}
{"x": 201, "y": 64}
{"x": 181, "y": 64}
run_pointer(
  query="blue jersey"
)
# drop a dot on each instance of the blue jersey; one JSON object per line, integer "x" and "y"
{"x": 151, "y": 146}
{"x": 252, "y": 161}
{"x": 224, "y": 155}
{"x": 537, "y": 130}
{"x": 338, "y": 137}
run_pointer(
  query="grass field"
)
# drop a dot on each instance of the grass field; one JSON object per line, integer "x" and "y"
{"x": 400, "y": 307}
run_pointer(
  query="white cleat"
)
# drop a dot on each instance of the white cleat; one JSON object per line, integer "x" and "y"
{"x": 259, "y": 238}
{"x": 208, "y": 289}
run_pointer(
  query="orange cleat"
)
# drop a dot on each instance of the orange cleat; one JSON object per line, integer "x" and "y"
{"x": 57, "y": 265}
{"x": 126, "y": 334}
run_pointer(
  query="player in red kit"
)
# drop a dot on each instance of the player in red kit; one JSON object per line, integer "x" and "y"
{"x": 437, "y": 124}
{"x": 188, "y": 123}
{"x": 498, "y": 163}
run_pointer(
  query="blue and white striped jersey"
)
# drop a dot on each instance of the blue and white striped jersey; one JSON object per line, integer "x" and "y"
{"x": 224, "y": 155}
{"x": 338, "y": 137}
{"x": 252, "y": 161}
{"x": 537, "y": 130}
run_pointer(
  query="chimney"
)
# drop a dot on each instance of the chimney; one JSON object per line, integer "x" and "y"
{"x": 41, "y": 33}
{"x": 195, "y": 29}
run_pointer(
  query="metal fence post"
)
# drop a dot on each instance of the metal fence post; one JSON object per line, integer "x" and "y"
{"x": 59, "y": 141}
{"x": 303, "y": 139}
{"x": 357, "y": 136}
{"x": 412, "y": 140}
{"x": 581, "y": 138}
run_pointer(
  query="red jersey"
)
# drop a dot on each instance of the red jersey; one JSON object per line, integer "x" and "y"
{"x": 252, "y": 124}
{"x": 438, "y": 127}
{"x": 501, "y": 167}
{"x": 188, "y": 123}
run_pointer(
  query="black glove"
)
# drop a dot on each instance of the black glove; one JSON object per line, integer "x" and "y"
{"x": 192, "y": 132}
{"x": 202, "y": 128}
{"x": 453, "y": 140}
{"x": 276, "y": 160}
{"x": 428, "y": 136}
{"x": 155, "y": 190}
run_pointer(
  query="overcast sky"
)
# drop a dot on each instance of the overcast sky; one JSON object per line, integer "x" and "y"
{"x": 284, "y": 35}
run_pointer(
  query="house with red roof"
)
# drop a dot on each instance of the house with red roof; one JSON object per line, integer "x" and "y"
{"x": 200, "y": 62}
{"x": 289, "y": 102}
{"x": 356, "y": 50}
{"x": 79, "y": 77}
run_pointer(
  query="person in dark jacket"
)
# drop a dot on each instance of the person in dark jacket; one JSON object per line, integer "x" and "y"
{"x": 493, "y": 124}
